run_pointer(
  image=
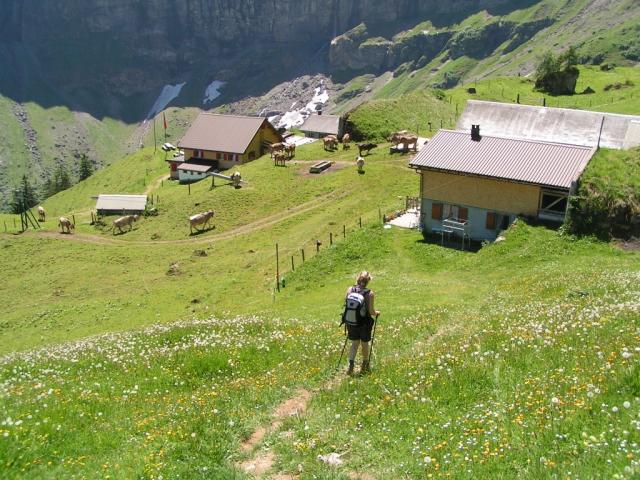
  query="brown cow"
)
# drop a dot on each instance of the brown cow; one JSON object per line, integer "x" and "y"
{"x": 291, "y": 150}
{"x": 65, "y": 223}
{"x": 276, "y": 147}
{"x": 346, "y": 140}
{"x": 124, "y": 221}
{"x": 330, "y": 142}
{"x": 200, "y": 219}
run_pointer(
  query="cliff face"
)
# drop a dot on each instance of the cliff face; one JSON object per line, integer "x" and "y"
{"x": 122, "y": 48}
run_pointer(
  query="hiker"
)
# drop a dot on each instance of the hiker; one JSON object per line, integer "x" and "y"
{"x": 359, "y": 319}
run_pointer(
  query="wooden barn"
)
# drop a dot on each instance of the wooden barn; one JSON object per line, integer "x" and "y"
{"x": 319, "y": 126}
{"x": 480, "y": 184}
{"x": 224, "y": 141}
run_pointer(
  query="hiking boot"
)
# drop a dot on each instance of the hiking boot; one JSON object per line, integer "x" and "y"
{"x": 350, "y": 369}
{"x": 365, "y": 367}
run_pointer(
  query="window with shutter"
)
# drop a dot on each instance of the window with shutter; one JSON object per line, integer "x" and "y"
{"x": 491, "y": 221}
{"x": 463, "y": 214}
{"x": 436, "y": 211}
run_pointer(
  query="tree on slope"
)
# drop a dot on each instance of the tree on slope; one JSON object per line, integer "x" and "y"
{"x": 86, "y": 167}
{"x": 24, "y": 197}
{"x": 558, "y": 75}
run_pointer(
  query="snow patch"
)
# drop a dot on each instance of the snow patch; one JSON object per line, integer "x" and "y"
{"x": 295, "y": 118}
{"x": 213, "y": 91}
{"x": 168, "y": 93}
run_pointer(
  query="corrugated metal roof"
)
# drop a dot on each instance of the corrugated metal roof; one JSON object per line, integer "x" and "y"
{"x": 329, "y": 124}
{"x": 222, "y": 133}
{"x": 535, "y": 162}
{"x": 122, "y": 202}
{"x": 195, "y": 167}
{"x": 560, "y": 125}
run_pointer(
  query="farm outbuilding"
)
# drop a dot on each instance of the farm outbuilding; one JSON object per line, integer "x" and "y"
{"x": 483, "y": 183}
{"x": 319, "y": 126}
{"x": 193, "y": 172}
{"x": 225, "y": 141}
{"x": 547, "y": 124}
{"x": 121, "y": 204}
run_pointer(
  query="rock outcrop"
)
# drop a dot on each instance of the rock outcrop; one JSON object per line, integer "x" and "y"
{"x": 115, "y": 52}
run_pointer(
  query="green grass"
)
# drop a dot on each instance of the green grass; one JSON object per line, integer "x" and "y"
{"x": 470, "y": 352}
{"x": 378, "y": 118}
{"x": 506, "y": 89}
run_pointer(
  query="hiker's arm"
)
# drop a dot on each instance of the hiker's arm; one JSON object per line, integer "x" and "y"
{"x": 372, "y": 311}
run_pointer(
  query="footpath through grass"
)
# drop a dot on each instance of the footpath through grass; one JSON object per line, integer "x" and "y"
{"x": 522, "y": 357}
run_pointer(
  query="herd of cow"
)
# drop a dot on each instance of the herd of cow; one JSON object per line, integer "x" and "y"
{"x": 279, "y": 151}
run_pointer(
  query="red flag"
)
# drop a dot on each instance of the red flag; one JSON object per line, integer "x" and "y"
{"x": 164, "y": 119}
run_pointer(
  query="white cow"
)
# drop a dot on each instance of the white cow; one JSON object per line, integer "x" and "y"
{"x": 200, "y": 219}
{"x": 42, "y": 215}
{"x": 65, "y": 224}
{"x": 123, "y": 222}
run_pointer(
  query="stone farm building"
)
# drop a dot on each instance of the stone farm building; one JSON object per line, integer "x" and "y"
{"x": 319, "y": 126}
{"x": 485, "y": 182}
{"x": 220, "y": 142}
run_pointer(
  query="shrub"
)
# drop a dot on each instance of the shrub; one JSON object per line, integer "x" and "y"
{"x": 558, "y": 75}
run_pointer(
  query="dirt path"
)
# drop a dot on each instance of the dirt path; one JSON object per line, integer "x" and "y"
{"x": 155, "y": 184}
{"x": 241, "y": 230}
{"x": 260, "y": 463}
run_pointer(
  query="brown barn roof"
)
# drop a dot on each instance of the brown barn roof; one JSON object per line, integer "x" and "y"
{"x": 222, "y": 133}
{"x": 322, "y": 124}
{"x": 528, "y": 161}
{"x": 195, "y": 167}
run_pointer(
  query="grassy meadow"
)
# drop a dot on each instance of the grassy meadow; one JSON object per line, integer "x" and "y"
{"x": 159, "y": 354}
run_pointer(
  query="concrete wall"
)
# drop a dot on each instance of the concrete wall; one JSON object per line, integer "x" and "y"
{"x": 476, "y": 221}
{"x": 190, "y": 177}
{"x": 483, "y": 193}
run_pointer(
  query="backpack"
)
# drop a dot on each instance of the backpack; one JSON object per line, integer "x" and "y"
{"x": 355, "y": 308}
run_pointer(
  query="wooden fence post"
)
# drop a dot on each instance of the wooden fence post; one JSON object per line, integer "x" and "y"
{"x": 318, "y": 243}
{"x": 302, "y": 251}
{"x": 360, "y": 221}
{"x": 330, "y": 238}
{"x": 344, "y": 231}
{"x": 277, "y": 268}
{"x": 189, "y": 185}
{"x": 293, "y": 267}
{"x": 5, "y": 227}
{"x": 74, "y": 218}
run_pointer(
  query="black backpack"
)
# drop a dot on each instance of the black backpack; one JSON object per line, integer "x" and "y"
{"x": 355, "y": 307}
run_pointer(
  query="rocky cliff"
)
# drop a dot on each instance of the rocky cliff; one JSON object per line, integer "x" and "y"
{"x": 107, "y": 55}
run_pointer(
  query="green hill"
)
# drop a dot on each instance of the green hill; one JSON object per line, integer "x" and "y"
{"x": 159, "y": 353}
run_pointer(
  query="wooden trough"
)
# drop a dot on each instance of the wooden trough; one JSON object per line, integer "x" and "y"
{"x": 319, "y": 167}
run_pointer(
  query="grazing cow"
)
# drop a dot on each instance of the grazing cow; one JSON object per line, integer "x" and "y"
{"x": 366, "y": 147}
{"x": 41, "y": 214}
{"x": 124, "y": 221}
{"x": 276, "y": 147}
{"x": 200, "y": 219}
{"x": 291, "y": 150}
{"x": 410, "y": 141}
{"x": 394, "y": 136}
{"x": 280, "y": 158}
{"x": 65, "y": 224}
{"x": 360, "y": 164}
{"x": 346, "y": 141}
{"x": 330, "y": 142}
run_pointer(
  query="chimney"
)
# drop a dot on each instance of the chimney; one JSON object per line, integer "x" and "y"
{"x": 475, "y": 133}
{"x": 319, "y": 112}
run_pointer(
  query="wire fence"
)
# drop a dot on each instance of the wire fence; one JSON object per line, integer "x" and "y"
{"x": 286, "y": 263}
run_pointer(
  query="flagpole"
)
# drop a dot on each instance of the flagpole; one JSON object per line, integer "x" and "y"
{"x": 154, "y": 134}
{"x": 165, "y": 127}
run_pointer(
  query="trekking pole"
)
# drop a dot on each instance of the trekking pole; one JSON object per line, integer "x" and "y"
{"x": 373, "y": 337}
{"x": 343, "y": 348}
